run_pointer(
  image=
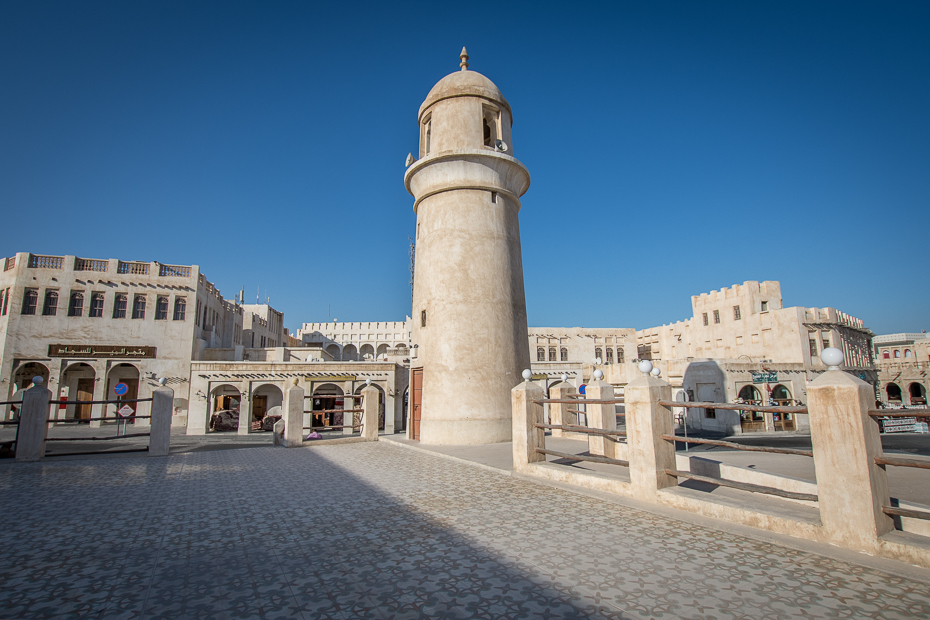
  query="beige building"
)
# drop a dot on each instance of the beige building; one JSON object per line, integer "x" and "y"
{"x": 469, "y": 308}
{"x": 359, "y": 341}
{"x": 903, "y": 362}
{"x": 86, "y": 324}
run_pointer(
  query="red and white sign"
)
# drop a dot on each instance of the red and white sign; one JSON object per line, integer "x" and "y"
{"x": 125, "y": 411}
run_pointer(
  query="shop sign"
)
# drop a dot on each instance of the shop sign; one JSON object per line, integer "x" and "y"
{"x": 765, "y": 377}
{"x": 100, "y": 350}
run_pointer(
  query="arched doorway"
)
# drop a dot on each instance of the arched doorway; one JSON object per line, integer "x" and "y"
{"x": 781, "y": 397}
{"x": 382, "y": 351}
{"x": 129, "y": 375}
{"x": 326, "y": 398}
{"x": 333, "y": 351}
{"x": 359, "y": 389}
{"x": 893, "y": 392}
{"x": 918, "y": 393}
{"x": 225, "y": 413}
{"x": 349, "y": 353}
{"x": 23, "y": 376}
{"x": 264, "y": 398}
{"x": 750, "y": 421}
{"x": 368, "y": 352}
{"x": 77, "y": 383}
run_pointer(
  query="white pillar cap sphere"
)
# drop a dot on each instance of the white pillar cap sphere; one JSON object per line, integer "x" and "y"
{"x": 598, "y": 374}
{"x": 832, "y": 357}
{"x": 656, "y": 372}
{"x": 368, "y": 381}
{"x": 645, "y": 367}
{"x": 162, "y": 381}
{"x": 527, "y": 374}
{"x": 564, "y": 377}
{"x": 37, "y": 380}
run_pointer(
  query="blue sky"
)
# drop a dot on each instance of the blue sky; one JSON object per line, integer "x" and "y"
{"x": 674, "y": 147}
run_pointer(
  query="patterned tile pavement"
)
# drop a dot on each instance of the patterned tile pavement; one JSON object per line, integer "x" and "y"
{"x": 370, "y": 530}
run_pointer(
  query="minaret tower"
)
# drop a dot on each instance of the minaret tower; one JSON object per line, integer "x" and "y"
{"x": 469, "y": 309}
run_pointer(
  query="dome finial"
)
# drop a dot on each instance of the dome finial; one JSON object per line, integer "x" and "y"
{"x": 464, "y": 57}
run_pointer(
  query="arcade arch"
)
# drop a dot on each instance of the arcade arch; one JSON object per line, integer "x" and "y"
{"x": 264, "y": 398}
{"x": 326, "y": 398}
{"x": 333, "y": 350}
{"x": 224, "y": 415}
{"x": 382, "y": 351}
{"x": 917, "y": 393}
{"x": 349, "y": 353}
{"x": 122, "y": 373}
{"x": 750, "y": 421}
{"x": 893, "y": 392}
{"x": 359, "y": 389}
{"x": 23, "y": 376}
{"x": 367, "y": 353}
{"x": 78, "y": 380}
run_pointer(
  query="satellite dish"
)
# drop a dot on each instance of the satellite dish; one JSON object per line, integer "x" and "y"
{"x": 500, "y": 145}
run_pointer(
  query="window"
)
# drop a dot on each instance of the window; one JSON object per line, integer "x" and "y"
{"x": 138, "y": 307}
{"x": 736, "y": 313}
{"x": 610, "y": 356}
{"x": 765, "y": 306}
{"x": 716, "y": 317}
{"x": 710, "y": 413}
{"x": 813, "y": 343}
{"x": 552, "y": 354}
{"x": 907, "y": 353}
{"x": 50, "y": 307}
{"x": 705, "y": 319}
{"x": 6, "y": 302}
{"x": 540, "y": 354}
{"x": 429, "y": 135}
{"x": 422, "y": 318}
{"x": 897, "y": 353}
{"x": 76, "y": 304}
{"x": 490, "y": 125}
{"x": 30, "y": 301}
{"x": 885, "y": 355}
{"x": 563, "y": 352}
{"x": 826, "y": 342}
{"x": 119, "y": 305}
{"x": 619, "y": 355}
{"x": 161, "y": 308}
{"x": 196, "y": 316}
{"x": 180, "y": 309}
{"x": 598, "y": 352}
{"x": 96, "y": 304}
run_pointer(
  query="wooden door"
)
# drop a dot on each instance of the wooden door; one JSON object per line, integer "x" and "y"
{"x": 416, "y": 402}
{"x": 259, "y": 407}
{"x": 85, "y": 391}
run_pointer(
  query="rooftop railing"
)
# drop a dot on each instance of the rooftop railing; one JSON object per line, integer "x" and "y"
{"x": 133, "y": 268}
{"x": 91, "y": 264}
{"x": 37, "y": 261}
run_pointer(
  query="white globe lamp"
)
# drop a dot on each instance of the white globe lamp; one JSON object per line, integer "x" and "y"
{"x": 527, "y": 374}
{"x": 645, "y": 367}
{"x": 832, "y": 357}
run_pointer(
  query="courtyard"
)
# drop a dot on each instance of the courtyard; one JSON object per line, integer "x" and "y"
{"x": 383, "y": 530}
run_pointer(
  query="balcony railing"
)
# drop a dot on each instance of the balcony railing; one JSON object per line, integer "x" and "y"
{"x": 9, "y": 263}
{"x": 138, "y": 269}
{"x": 90, "y": 264}
{"x": 174, "y": 270}
{"x": 46, "y": 262}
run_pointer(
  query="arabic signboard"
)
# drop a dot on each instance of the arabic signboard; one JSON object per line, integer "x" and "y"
{"x": 100, "y": 350}
{"x": 765, "y": 377}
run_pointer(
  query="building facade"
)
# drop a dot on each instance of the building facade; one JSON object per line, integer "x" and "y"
{"x": 903, "y": 363}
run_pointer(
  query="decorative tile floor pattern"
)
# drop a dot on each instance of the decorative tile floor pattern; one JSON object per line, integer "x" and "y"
{"x": 374, "y": 531}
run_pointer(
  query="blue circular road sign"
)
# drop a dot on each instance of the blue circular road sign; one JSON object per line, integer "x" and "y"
{"x": 121, "y": 389}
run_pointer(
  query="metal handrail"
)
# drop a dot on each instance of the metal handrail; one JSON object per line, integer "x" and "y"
{"x": 11, "y": 402}
{"x": 337, "y": 411}
{"x": 730, "y": 444}
{"x": 577, "y": 401}
{"x": 98, "y": 438}
{"x": 119, "y": 419}
{"x": 732, "y": 406}
{"x": 336, "y": 396}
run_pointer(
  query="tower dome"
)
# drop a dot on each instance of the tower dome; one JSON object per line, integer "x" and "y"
{"x": 464, "y": 84}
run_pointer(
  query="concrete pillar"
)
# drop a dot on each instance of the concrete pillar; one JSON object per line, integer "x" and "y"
{"x": 646, "y": 422}
{"x": 525, "y": 415}
{"x": 349, "y": 418}
{"x": 160, "y": 433}
{"x": 245, "y": 412}
{"x": 558, "y": 413}
{"x": 33, "y": 423}
{"x": 293, "y": 415}
{"x": 603, "y": 417}
{"x": 851, "y": 488}
{"x": 769, "y": 419}
{"x": 100, "y": 393}
{"x": 390, "y": 412}
{"x": 370, "y": 415}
